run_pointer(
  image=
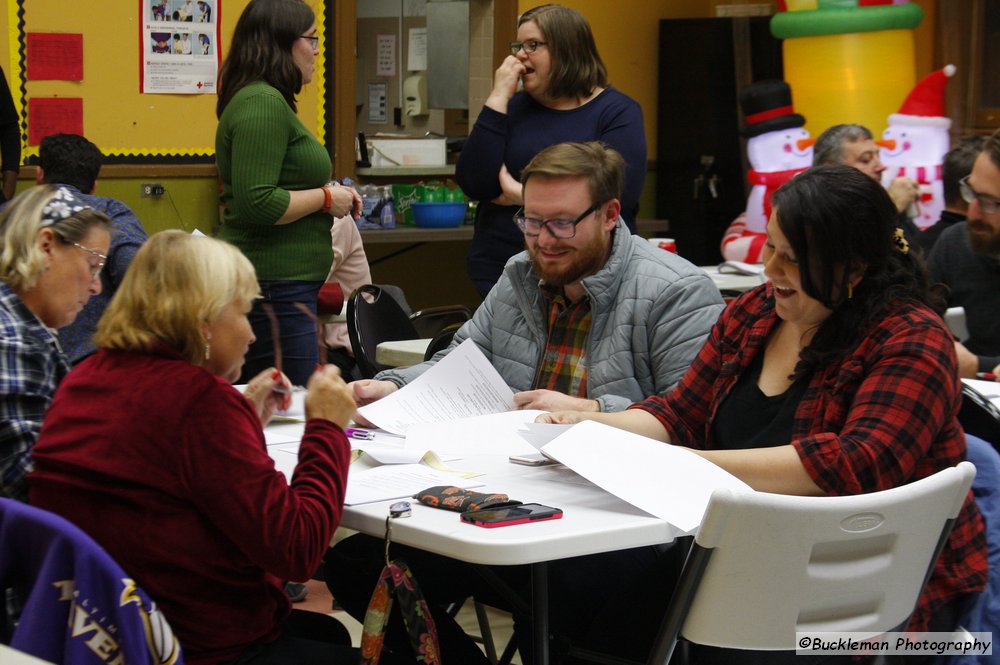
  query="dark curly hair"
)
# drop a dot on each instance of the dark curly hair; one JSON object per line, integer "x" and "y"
{"x": 839, "y": 221}
{"x": 261, "y": 49}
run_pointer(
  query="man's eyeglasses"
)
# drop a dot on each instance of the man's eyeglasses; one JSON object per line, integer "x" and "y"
{"x": 989, "y": 204}
{"x": 313, "y": 41}
{"x": 560, "y": 228}
{"x": 95, "y": 270}
{"x": 529, "y": 46}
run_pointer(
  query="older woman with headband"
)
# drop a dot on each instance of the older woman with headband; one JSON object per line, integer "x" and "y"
{"x": 52, "y": 249}
{"x": 836, "y": 377}
{"x": 149, "y": 449}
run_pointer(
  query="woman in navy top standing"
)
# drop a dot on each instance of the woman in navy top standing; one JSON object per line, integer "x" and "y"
{"x": 565, "y": 97}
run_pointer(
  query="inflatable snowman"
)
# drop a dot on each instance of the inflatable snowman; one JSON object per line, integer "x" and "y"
{"x": 915, "y": 142}
{"x": 778, "y": 147}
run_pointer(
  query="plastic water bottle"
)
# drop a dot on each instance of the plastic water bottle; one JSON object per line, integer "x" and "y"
{"x": 369, "y": 201}
{"x": 388, "y": 213}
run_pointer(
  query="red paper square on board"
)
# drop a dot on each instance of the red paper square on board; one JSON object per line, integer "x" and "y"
{"x": 54, "y": 115}
{"x": 54, "y": 56}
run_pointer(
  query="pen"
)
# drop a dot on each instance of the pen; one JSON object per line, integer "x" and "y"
{"x": 986, "y": 376}
{"x": 279, "y": 388}
{"x": 359, "y": 434}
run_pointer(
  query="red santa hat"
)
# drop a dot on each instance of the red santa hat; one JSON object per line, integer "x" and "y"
{"x": 925, "y": 103}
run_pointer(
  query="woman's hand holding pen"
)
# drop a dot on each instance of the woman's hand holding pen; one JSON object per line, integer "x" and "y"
{"x": 329, "y": 397}
{"x": 269, "y": 392}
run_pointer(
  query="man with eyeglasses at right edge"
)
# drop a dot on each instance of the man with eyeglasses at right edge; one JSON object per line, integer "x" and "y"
{"x": 967, "y": 259}
{"x": 588, "y": 317}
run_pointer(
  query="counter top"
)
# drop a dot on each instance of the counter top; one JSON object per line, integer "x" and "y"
{"x": 647, "y": 227}
{"x": 404, "y": 171}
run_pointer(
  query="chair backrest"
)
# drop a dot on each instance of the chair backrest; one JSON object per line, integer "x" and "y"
{"x": 373, "y": 316}
{"x": 764, "y": 566}
{"x": 441, "y": 340}
{"x": 978, "y": 416}
{"x": 954, "y": 318}
{"x": 71, "y": 591}
{"x": 432, "y": 320}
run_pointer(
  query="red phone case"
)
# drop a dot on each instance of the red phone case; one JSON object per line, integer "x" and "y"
{"x": 520, "y": 520}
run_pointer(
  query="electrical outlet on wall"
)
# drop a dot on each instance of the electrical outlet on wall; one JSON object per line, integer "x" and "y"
{"x": 151, "y": 189}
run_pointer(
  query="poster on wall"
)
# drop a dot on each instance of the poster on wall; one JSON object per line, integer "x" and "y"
{"x": 179, "y": 46}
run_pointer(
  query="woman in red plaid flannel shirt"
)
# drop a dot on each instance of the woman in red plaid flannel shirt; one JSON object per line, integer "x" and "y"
{"x": 835, "y": 377}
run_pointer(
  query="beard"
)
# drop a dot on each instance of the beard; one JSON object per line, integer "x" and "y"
{"x": 586, "y": 261}
{"x": 983, "y": 238}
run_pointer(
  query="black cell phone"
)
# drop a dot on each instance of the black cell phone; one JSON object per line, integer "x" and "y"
{"x": 508, "y": 515}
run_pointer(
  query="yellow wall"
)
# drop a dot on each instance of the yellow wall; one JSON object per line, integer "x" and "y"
{"x": 116, "y": 116}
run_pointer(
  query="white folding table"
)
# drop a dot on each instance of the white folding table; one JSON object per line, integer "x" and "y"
{"x": 593, "y": 521}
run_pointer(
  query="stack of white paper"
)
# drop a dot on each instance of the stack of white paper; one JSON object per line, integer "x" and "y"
{"x": 670, "y": 482}
{"x": 461, "y": 385}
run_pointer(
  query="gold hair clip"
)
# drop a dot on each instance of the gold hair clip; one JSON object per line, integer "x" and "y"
{"x": 901, "y": 244}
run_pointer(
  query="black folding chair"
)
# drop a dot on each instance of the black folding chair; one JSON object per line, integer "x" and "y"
{"x": 374, "y": 316}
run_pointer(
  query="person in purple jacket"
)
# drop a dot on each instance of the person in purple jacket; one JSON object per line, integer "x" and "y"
{"x": 566, "y": 97}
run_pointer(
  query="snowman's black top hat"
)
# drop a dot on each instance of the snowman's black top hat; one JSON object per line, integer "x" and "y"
{"x": 767, "y": 107}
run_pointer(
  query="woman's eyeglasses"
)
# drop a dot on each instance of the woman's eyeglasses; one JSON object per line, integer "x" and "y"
{"x": 529, "y": 46}
{"x": 95, "y": 270}
{"x": 313, "y": 41}
{"x": 989, "y": 204}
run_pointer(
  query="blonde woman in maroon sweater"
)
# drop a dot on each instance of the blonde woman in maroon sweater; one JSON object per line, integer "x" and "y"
{"x": 149, "y": 449}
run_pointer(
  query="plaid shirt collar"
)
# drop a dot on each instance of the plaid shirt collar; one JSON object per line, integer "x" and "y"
{"x": 12, "y": 302}
{"x": 564, "y": 360}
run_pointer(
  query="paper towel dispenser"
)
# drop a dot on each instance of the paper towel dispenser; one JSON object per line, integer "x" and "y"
{"x": 415, "y": 95}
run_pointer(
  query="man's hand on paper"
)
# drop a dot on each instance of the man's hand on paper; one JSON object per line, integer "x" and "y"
{"x": 550, "y": 400}
{"x": 329, "y": 397}
{"x": 561, "y": 418}
{"x": 269, "y": 392}
{"x": 367, "y": 391}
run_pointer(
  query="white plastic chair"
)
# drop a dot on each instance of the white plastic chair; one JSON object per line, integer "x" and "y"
{"x": 954, "y": 318}
{"x": 764, "y": 566}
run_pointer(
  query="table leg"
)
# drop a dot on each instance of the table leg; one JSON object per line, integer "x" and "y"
{"x": 540, "y": 611}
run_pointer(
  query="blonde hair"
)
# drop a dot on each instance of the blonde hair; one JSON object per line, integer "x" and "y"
{"x": 21, "y": 259}
{"x": 176, "y": 284}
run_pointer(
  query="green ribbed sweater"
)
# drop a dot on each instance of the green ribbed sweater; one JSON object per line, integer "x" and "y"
{"x": 262, "y": 152}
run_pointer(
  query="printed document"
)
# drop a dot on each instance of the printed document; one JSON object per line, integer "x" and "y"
{"x": 670, "y": 482}
{"x": 460, "y": 385}
{"x": 368, "y": 484}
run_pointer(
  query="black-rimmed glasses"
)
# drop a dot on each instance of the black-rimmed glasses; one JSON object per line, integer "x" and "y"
{"x": 559, "y": 228}
{"x": 313, "y": 41}
{"x": 95, "y": 270}
{"x": 989, "y": 204}
{"x": 529, "y": 46}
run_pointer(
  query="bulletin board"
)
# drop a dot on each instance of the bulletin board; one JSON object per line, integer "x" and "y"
{"x": 125, "y": 124}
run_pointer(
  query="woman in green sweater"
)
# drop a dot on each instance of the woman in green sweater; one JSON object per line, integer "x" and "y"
{"x": 278, "y": 207}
